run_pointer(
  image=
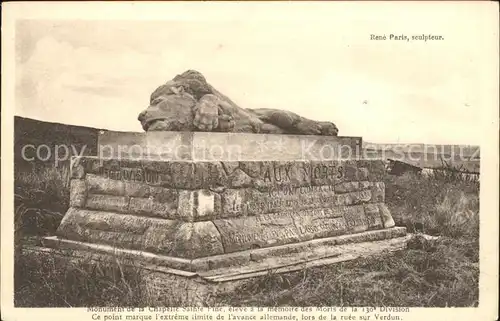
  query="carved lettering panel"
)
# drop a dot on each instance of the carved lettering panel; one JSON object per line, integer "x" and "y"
{"x": 277, "y": 199}
{"x": 355, "y": 218}
{"x": 319, "y": 223}
{"x": 266, "y": 230}
{"x": 208, "y": 174}
{"x": 254, "y": 232}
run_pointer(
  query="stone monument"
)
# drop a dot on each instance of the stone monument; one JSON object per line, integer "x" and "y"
{"x": 198, "y": 220}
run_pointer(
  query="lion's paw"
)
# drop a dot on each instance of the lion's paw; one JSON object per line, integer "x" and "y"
{"x": 226, "y": 123}
{"x": 206, "y": 115}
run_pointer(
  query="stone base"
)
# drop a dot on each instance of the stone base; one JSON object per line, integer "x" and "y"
{"x": 195, "y": 281}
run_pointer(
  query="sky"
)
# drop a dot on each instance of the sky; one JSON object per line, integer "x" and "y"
{"x": 323, "y": 66}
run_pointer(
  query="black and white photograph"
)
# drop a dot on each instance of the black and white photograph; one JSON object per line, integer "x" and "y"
{"x": 250, "y": 161}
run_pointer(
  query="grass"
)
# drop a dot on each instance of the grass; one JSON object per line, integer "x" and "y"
{"x": 48, "y": 281}
{"x": 441, "y": 273}
{"x": 40, "y": 199}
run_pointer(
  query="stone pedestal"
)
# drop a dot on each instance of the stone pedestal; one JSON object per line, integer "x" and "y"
{"x": 220, "y": 221}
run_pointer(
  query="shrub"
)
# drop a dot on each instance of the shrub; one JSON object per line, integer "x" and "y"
{"x": 41, "y": 198}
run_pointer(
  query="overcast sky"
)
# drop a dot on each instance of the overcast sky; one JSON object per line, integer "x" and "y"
{"x": 321, "y": 65}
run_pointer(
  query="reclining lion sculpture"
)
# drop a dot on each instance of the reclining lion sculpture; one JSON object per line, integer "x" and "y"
{"x": 189, "y": 103}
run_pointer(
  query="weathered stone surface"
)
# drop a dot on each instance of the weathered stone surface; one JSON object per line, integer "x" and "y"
{"x": 250, "y": 201}
{"x": 233, "y": 203}
{"x": 387, "y": 219}
{"x": 213, "y": 174}
{"x": 283, "y": 250}
{"x": 151, "y": 207}
{"x": 216, "y": 146}
{"x": 365, "y": 185}
{"x": 208, "y": 174}
{"x": 123, "y": 231}
{"x": 362, "y": 174}
{"x": 221, "y": 261}
{"x": 353, "y": 198}
{"x": 267, "y": 230}
{"x": 355, "y": 218}
{"x": 318, "y": 223}
{"x": 240, "y": 179}
{"x": 189, "y": 103}
{"x": 198, "y": 205}
{"x": 166, "y": 237}
{"x": 251, "y": 232}
{"x": 347, "y": 187}
{"x": 198, "y": 239}
{"x": 378, "y": 192}
{"x": 102, "y": 185}
{"x": 373, "y": 216}
{"x": 135, "y": 189}
{"x": 245, "y": 264}
{"x": 107, "y": 203}
{"x": 78, "y": 193}
{"x": 252, "y": 168}
{"x": 77, "y": 171}
{"x": 326, "y": 172}
{"x": 300, "y": 173}
{"x": 230, "y": 167}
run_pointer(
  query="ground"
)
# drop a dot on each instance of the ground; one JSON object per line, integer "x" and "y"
{"x": 439, "y": 273}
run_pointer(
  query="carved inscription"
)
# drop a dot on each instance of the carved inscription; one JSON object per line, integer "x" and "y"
{"x": 253, "y": 232}
{"x": 322, "y": 171}
{"x": 287, "y": 198}
{"x": 132, "y": 174}
{"x": 277, "y": 173}
{"x": 288, "y": 227}
{"x": 304, "y": 172}
{"x": 355, "y": 218}
{"x": 277, "y": 199}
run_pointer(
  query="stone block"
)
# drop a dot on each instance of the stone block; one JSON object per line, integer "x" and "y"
{"x": 78, "y": 193}
{"x": 198, "y": 239}
{"x": 230, "y": 167}
{"x": 252, "y": 169}
{"x": 319, "y": 223}
{"x": 387, "y": 219}
{"x": 213, "y": 146}
{"x": 378, "y": 192}
{"x": 215, "y": 174}
{"x": 239, "y": 179}
{"x": 77, "y": 170}
{"x": 120, "y": 230}
{"x": 102, "y": 185}
{"x": 376, "y": 169}
{"x": 347, "y": 187}
{"x": 281, "y": 228}
{"x": 221, "y": 261}
{"x": 206, "y": 175}
{"x": 373, "y": 216}
{"x": 198, "y": 205}
{"x": 353, "y": 198}
{"x": 233, "y": 203}
{"x": 150, "y": 207}
{"x": 365, "y": 185}
{"x": 245, "y": 233}
{"x": 355, "y": 218}
{"x": 107, "y": 203}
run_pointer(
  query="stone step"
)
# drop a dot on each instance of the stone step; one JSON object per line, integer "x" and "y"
{"x": 252, "y": 261}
